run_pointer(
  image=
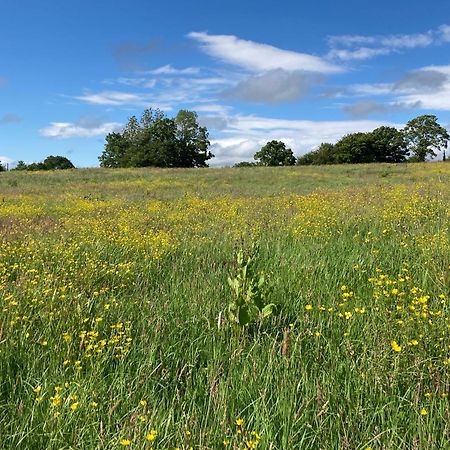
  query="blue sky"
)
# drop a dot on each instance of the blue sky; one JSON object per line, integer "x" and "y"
{"x": 302, "y": 72}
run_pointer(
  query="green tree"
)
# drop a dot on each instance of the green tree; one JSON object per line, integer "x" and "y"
{"x": 354, "y": 148}
{"x": 192, "y": 139}
{"x": 388, "y": 145}
{"x": 115, "y": 152}
{"x": 57, "y": 163}
{"x": 158, "y": 141}
{"x": 155, "y": 146}
{"x": 2, "y": 167}
{"x": 21, "y": 165}
{"x": 424, "y": 136}
{"x": 324, "y": 154}
{"x": 275, "y": 153}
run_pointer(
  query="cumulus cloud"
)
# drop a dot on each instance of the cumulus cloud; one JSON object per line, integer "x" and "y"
{"x": 10, "y": 118}
{"x": 257, "y": 57}
{"x": 274, "y": 86}
{"x": 84, "y": 128}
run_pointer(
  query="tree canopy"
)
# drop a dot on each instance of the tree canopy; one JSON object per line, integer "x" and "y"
{"x": 424, "y": 136}
{"x": 275, "y": 153}
{"x": 159, "y": 141}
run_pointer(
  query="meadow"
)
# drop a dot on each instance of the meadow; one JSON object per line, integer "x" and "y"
{"x": 114, "y": 326}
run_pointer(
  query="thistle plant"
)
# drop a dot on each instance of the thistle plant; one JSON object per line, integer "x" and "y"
{"x": 250, "y": 289}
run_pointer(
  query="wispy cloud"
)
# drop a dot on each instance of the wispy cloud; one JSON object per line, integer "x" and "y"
{"x": 257, "y": 57}
{"x": 119, "y": 98}
{"x": 170, "y": 70}
{"x": 357, "y": 47}
{"x": 84, "y": 128}
{"x": 357, "y": 54}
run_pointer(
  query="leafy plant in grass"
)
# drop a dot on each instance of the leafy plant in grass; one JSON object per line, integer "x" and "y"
{"x": 250, "y": 290}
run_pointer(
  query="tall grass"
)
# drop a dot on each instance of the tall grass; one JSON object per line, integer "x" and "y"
{"x": 113, "y": 328}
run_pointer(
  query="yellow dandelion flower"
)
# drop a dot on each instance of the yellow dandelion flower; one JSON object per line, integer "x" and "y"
{"x": 151, "y": 436}
{"x": 125, "y": 442}
{"x": 423, "y": 412}
{"x": 397, "y": 348}
{"x": 308, "y": 307}
{"x": 239, "y": 422}
{"x": 74, "y": 406}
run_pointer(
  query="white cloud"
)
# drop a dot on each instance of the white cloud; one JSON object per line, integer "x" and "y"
{"x": 358, "y": 54}
{"x": 407, "y": 40}
{"x": 445, "y": 32}
{"x": 257, "y": 57}
{"x": 211, "y": 108}
{"x": 116, "y": 98}
{"x": 65, "y": 130}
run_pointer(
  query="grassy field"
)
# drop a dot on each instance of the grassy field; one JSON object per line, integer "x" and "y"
{"x": 114, "y": 331}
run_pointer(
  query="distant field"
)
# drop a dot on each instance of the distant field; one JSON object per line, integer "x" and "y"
{"x": 114, "y": 295}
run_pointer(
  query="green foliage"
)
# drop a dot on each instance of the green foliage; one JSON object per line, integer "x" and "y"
{"x": 57, "y": 163}
{"x": 322, "y": 155}
{"x": 158, "y": 141}
{"x": 275, "y": 153}
{"x": 2, "y": 168}
{"x": 388, "y": 145}
{"x": 384, "y": 144}
{"x": 424, "y": 136}
{"x": 250, "y": 291}
{"x": 245, "y": 164}
{"x": 21, "y": 165}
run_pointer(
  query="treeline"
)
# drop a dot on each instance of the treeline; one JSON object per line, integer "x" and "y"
{"x": 420, "y": 139}
{"x": 49, "y": 163}
{"x": 158, "y": 141}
